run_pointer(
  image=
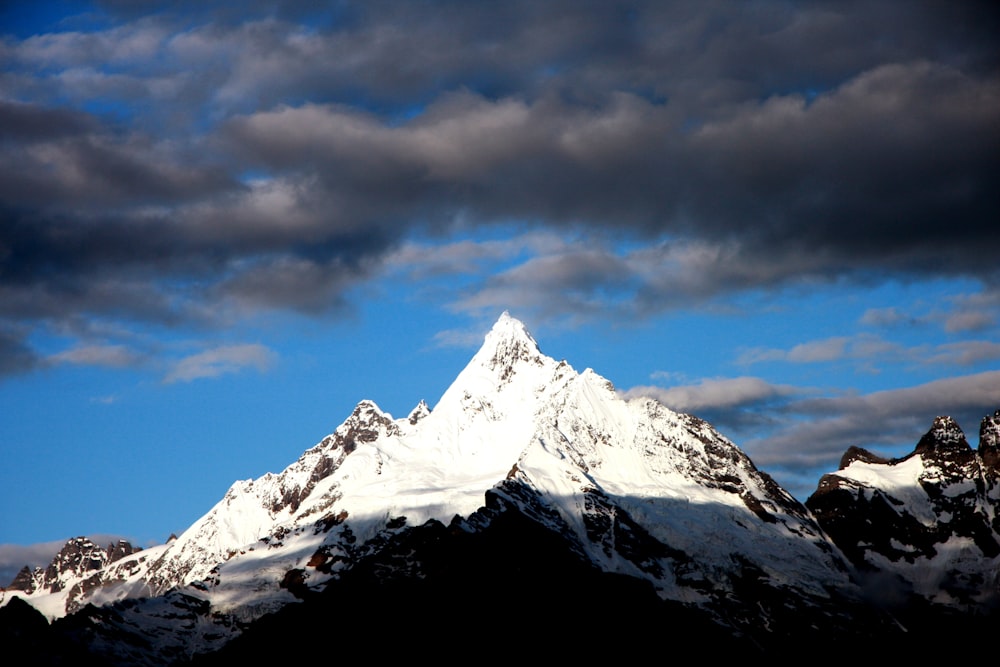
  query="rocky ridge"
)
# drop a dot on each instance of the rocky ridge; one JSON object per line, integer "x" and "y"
{"x": 930, "y": 520}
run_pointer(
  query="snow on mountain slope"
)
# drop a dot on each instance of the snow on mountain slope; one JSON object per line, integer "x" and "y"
{"x": 374, "y": 468}
{"x": 681, "y": 481}
{"x": 512, "y": 413}
{"x": 632, "y": 486}
{"x": 931, "y": 518}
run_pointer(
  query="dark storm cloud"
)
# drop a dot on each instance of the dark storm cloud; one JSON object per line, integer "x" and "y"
{"x": 29, "y": 123}
{"x": 891, "y": 172}
{"x": 57, "y": 159}
{"x": 100, "y": 222}
{"x": 188, "y": 160}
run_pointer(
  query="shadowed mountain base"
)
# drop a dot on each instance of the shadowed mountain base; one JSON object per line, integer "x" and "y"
{"x": 510, "y": 590}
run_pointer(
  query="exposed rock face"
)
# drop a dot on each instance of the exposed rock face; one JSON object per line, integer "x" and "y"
{"x": 364, "y": 425}
{"x": 118, "y": 551}
{"x": 989, "y": 446}
{"x": 859, "y": 454}
{"x": 78, "y": 558}
{"x": 24, "y": 580}
{"x": 929, "y": 518}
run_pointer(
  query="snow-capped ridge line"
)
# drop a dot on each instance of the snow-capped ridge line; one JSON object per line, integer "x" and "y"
{"x": 928, "y": 518}
{"x": 568, "y": 435}
{"x": 628, "y": 486}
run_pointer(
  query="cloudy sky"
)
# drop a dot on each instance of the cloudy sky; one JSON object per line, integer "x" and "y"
{"x": 221, "y": 228}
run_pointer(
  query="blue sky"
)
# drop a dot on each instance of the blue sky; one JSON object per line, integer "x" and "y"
{"x": 222, "y": 228}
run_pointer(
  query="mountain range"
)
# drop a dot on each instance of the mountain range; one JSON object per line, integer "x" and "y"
{"x": 534, "y": 501}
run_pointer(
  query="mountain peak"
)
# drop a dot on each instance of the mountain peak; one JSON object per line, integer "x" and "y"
{"x": 509, "y": 328}
{"x": 989, "y": 431}
{"x": 509, "y": 355}
{"x": 419, "y": 412}
{"x": 507, "y": 343}
{"x": 989, "y": 443}
{"x": 945, "y": 435}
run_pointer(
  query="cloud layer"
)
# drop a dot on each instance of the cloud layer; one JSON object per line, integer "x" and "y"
{"x": 751, "y": 141}
{"x": 176, "y": 170}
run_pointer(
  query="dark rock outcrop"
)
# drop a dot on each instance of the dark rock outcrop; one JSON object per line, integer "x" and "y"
{"x": 933, "y": 530}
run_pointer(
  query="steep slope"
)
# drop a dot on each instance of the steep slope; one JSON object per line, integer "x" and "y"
{"x": 626, "y": 487}
{"x": 930, "y": 519}
{"x": 615, "y": 477}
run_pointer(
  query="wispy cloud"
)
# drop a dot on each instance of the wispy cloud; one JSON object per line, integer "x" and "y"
{"x": 715, "y": 394}
{"x": 13, "y": 557}
{"x": 873, "y": 348}
{"x": 969, "y": 321}
{"x": 975, "y": 311}
{"x": 886, "y": 317}
{"x": 218, "y": 361}
{"x": 116, "y": 356}
{"x": 464, "y": 338}
{"x": 962, "y": 313}
{"x": 964, "y": 353}
{"x": 829, "y": 349}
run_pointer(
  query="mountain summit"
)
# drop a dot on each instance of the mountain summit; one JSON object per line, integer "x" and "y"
{"x": 525, "y": 473}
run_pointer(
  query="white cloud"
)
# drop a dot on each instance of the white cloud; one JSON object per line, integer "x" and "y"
{"x": 884, "y": 317}
{"x": 965, "y": 353}
{"x": 830, "y": 349}
{"x": 221, "y": 361}
{"x": 458, "y": 338}
{"x": 875, "y": 348}
{"x": 96, "y": 355}
{"x": 714, "y": 393}
{"x": 968, "y": 321}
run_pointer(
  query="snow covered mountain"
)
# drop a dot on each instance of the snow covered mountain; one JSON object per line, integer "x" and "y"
{"x": 928, "y": 522}
{"x": 533, "y": 471}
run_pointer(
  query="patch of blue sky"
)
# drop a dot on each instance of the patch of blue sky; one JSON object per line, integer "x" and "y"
{"x": 251, "y": 176}
{"x": 24, "y": 19}
{"x": 850, "y": 335}
{"x": 816, "y": 339}
{"x": 138, "y": 429}
{"x": 117, "y": 110}
{"x": 403, "y": 114}
{"x": 47, "y": 412}
{"x": 809, "y": 93}
{"x": 550, "y": 70}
